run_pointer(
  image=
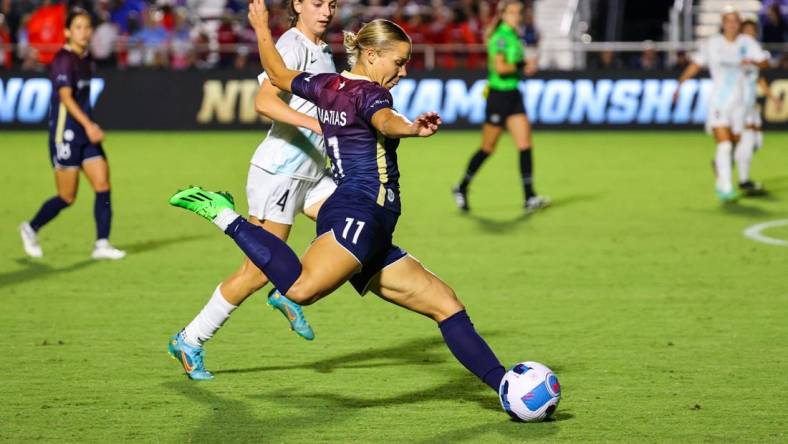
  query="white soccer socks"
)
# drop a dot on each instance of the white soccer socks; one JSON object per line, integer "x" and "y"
{"x": 225, "y": 217}
{"x": 722, "y": 162}
{"x": 209, "y": 320}
{"x": 743, "y": 155}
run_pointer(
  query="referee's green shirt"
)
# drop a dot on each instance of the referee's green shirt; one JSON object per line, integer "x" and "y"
{"x": 504, "y": 41}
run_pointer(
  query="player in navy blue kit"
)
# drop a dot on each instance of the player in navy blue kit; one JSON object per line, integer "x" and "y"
{"x": 355, "y": 226}
{"x": 74, "y": 140}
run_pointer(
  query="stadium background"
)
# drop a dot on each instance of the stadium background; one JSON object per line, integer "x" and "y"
{"x": 604, "y": 63}
{"x": 662, "y": 319}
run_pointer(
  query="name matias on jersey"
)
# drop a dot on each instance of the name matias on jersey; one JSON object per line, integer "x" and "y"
{"x": 332, "y": 117}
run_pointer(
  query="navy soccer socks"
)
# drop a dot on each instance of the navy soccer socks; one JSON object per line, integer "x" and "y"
{"x": 475, "y": 163}
{"x": 260, "y": 247}
{"x": 48, "y": 211}
{"x": 526, "y": 172}
{"x": 470, "y": 349}
{"x": 102, "y": 212}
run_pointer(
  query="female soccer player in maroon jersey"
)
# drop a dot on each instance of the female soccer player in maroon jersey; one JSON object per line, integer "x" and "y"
{"x": 74, "y": 141}
{"x": 355, "y": 226}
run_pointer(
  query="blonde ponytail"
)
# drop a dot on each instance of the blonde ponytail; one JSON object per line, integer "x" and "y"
{"x": 378, "y": 34}
{"x": 350, "y": 41}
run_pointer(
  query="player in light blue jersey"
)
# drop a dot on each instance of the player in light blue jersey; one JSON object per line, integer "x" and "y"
{"x": 726, "y": 55}
{"x": 356, "y": 224}
{"x": 752, "y": 136}
{"x": 286, "y": 177}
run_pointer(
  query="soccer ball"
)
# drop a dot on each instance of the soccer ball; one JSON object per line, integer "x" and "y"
{"x": 529, "y": 392}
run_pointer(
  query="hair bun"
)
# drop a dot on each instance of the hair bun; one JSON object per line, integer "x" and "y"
{"x": 350, "y": 41}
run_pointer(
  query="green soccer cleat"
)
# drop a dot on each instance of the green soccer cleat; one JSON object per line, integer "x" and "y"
{"x": 292, "y": 312}
{"x": 207, "y": 204}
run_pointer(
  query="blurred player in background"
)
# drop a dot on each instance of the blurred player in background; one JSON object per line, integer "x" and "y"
{"x": 356, "y": 224}
{"x": 74, "y": 140}
{"x": 752, "y": 137}
{"x": 286, "y": 177}
{"x": 726, "y": 55}
{"x": 506, "y": 64}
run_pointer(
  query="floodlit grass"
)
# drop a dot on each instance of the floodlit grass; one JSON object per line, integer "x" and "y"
{"x": 662, "y": 321}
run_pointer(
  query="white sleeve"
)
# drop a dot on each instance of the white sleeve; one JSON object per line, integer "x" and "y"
{"x": 701, "y": 56}
{"x": 294, "y": 57}
{"x": 759, "y": 55}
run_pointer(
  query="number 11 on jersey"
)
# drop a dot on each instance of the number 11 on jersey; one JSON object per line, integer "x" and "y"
{"x": 349, "y": 223}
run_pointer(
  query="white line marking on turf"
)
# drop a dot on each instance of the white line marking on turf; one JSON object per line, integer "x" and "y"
{"x": 754, "y": 232}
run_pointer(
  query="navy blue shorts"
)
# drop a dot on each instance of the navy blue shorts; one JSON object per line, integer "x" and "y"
{"x": 71, "y": 154}
{"x": 365, "y": 229}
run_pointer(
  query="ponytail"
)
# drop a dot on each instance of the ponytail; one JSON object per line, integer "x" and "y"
{"x": 350, "y": 41}
{"x": 378, "y": 34}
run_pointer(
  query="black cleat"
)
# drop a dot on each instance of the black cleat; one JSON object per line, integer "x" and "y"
{"x": 750, "y": 188}
{"x": 461, "y": 198}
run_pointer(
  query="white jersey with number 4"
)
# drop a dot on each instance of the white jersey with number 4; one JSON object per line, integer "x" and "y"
{"x": 289, "y": 150}
{"x": 724, "y": 61}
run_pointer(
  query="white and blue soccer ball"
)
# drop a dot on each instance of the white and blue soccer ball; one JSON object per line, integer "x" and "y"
{"x": 530, "y": 392}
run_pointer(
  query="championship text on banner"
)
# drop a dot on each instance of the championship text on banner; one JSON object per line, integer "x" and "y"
{"x": 191, "y": 100}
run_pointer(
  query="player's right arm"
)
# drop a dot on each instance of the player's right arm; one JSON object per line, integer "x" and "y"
{"x": 269, "y": 104}
{"x": 93, "y": 131}
{"x": 272, "y": 62}
{"x": 763, "y": 84}
{"x": 502, "y": 67}
{"x": 689, "y": 72}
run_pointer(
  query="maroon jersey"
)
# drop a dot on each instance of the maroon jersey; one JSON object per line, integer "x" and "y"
{"x": 361, "y": 157}
{"x": 75, "y": 72}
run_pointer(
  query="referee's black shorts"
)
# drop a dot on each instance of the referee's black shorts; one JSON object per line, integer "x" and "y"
{"x": 502, "y": 104}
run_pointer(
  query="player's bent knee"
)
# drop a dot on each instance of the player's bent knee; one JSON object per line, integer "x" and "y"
{"x": 439, "y": 299}
{"x": 447, "y": 305}
{"x": 302, "y": 294}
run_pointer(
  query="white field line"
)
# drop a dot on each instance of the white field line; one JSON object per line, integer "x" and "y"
{"x": 754, "y": 232}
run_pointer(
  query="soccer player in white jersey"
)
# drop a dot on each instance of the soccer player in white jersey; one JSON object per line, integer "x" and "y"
{"x": 726, "y": 55}
{"x": 286, "y": 176}
{"x": 752, "y": 136}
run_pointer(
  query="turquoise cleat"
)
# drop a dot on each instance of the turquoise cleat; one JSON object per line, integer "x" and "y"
{"x": 292, "y": 312}
{"x": 727, "y": 197}
{"x": 190, "y": 357}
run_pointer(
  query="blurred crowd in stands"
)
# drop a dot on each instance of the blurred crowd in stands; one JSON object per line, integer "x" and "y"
{"x": 208, "y": 34}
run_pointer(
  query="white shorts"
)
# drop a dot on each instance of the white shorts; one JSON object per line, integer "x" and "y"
{"x": 279, "y": 198}
{"x": 753, "y": 117}
{"x": 728, "y": 117}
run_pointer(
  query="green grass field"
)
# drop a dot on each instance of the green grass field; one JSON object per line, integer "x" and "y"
{"x": 662, "y": 321}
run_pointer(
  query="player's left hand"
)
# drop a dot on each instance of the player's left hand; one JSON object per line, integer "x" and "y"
{"x": 258, "y": 15}
{"x": 426, "y": 124}
{"x": 95, "y": 133}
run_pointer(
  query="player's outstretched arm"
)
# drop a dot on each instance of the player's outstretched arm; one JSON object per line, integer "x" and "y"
{"x": 395, "y": 126}
{"x": 689, "y": 72}
{"x": 272, "y": 62}
{"x": 269, "y": 104}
